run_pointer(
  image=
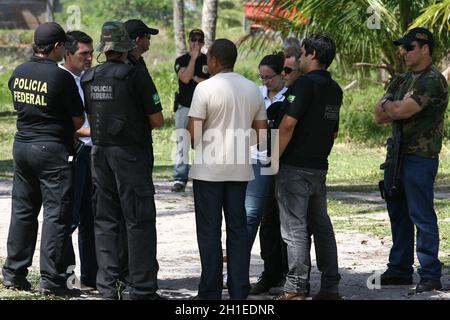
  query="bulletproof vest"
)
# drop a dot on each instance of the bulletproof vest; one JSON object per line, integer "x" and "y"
{"x": 314, "y": 131}
{"x": 117, "y": 116}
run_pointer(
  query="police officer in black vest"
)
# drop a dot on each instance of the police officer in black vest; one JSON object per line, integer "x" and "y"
{"x": 123, "y": 105}
{"x": 49, "y": 110}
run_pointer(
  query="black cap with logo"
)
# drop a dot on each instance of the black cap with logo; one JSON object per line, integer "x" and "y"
{"x": 416, "y": 34}
{"x": 49, "y": 33}
{"x": 137, "y": 28}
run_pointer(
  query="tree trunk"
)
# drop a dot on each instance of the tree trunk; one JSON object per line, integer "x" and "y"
{"x": 50, "y": 9}
{"x": 209, "y": 20}
{"x": 405, "y": 14}
{"x": 178, "y": 24}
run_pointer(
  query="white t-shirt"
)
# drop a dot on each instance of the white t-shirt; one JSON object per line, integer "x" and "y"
{"x": 228, "y": 103}
{"x": 86, "y": 140}
{"x": 262, "y": 155}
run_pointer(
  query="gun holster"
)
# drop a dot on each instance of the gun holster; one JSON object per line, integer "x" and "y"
{"x": 390, "y": 188}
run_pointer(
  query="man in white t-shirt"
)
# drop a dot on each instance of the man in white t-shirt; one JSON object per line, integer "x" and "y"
{"x": 77, "y": 59}
{"x": 225, "y": 112}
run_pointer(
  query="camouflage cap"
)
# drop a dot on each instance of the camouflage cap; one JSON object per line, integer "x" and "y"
{"x": 420, "y": 34}
{"x": 114, "y": 37}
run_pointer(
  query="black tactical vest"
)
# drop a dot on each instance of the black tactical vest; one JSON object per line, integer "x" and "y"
{"x": 313, "y": 137}
{"x": 117, "y": 115}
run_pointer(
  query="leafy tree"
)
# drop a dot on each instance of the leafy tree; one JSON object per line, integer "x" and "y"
{"x": 364, "y": 29}
{"x": 94, "y": 11}
{"x": 178, "y": 25}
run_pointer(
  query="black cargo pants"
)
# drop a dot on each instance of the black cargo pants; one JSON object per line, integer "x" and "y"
{"x": 123, "y": 189}
{"x": 42, "y": 176}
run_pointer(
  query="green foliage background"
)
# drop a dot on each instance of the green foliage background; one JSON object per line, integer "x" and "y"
{"x": 356, "y": 124}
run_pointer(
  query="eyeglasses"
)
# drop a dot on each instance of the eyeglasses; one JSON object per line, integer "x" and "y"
{"x": 288, "y": 70}
{"x": 199, "y": 40}
{"x": 408, "y": 47}
{"x": 267, "y": 78}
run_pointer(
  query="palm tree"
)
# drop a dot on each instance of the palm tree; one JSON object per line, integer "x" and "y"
{"x": 209, "y": 20}
{"x": 178, "y": 24}
{"x": 358, "y": 40}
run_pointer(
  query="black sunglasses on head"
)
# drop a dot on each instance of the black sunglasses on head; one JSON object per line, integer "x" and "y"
{"x": 288, "y": 70}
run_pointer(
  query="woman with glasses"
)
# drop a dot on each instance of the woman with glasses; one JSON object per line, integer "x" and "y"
{"x": 273, "y": 89}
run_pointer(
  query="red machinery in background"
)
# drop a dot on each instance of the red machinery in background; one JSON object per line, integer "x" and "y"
{"x": 264, "y": 15}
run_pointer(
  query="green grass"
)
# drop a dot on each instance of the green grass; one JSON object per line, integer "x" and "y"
{"x": 33, "y": 277}
{"x": 7, "y": 130}
{"x": 370, "y": 217}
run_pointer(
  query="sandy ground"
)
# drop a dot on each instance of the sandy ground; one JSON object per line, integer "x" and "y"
{"x": 360, "y": 255}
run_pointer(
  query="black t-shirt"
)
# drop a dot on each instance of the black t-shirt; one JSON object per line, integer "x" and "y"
{"x": 314, "y": 100}
{"x": 45, "y": 98}
{"x": 186, "y": 91}
{"x": 137, "y": 62}
{"x": 148, "y": 94}
{"x": 145, "y": 85}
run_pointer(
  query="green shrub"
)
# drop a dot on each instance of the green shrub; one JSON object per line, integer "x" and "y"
{"x": 5, "y": 95}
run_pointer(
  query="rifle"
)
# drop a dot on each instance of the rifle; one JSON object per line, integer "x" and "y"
{"x": 390, "y": 186}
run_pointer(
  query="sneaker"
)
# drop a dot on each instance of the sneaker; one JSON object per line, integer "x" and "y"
{"x": 178, "y": 187}
{"x": 23, "y": 285}
{"x": 387, "y": 279}
{"x": 263, "y": 285}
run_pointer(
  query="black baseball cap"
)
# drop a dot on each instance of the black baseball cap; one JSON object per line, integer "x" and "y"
{"x": 197, "y": 31}
{"x": 416, "y": 34}
{"x": 136, "y": 28}
{"x": 49, "y": 33}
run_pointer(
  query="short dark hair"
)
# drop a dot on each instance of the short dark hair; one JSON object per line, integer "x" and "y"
{"x": 43, "y": 49}
{"x": 273, "y": 61}
{"x": 75, "y": 37}
{"x": 224, "y": 51}
{"x": 324, "y": 47}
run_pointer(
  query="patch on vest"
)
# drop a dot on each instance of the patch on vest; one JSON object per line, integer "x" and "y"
{"x": 331, "y": 113}
{"x": 177, "y": 67}
{"x": 156, "y": 98}
{"x": 101, "y": 93}
{"x": 205, "y": 68}
{"x": 291, "y": 98}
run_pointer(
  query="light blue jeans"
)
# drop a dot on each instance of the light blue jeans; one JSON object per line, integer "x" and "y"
{"x": 255, "y": 201}
{"x": 181, "y": 165}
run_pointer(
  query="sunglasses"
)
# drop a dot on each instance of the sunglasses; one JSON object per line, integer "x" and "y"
{"x": 199, "y": 40}
{"x": 267, "y": 78}
{"x": 408, "y": 47}
{"x": 288, "y": 70}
